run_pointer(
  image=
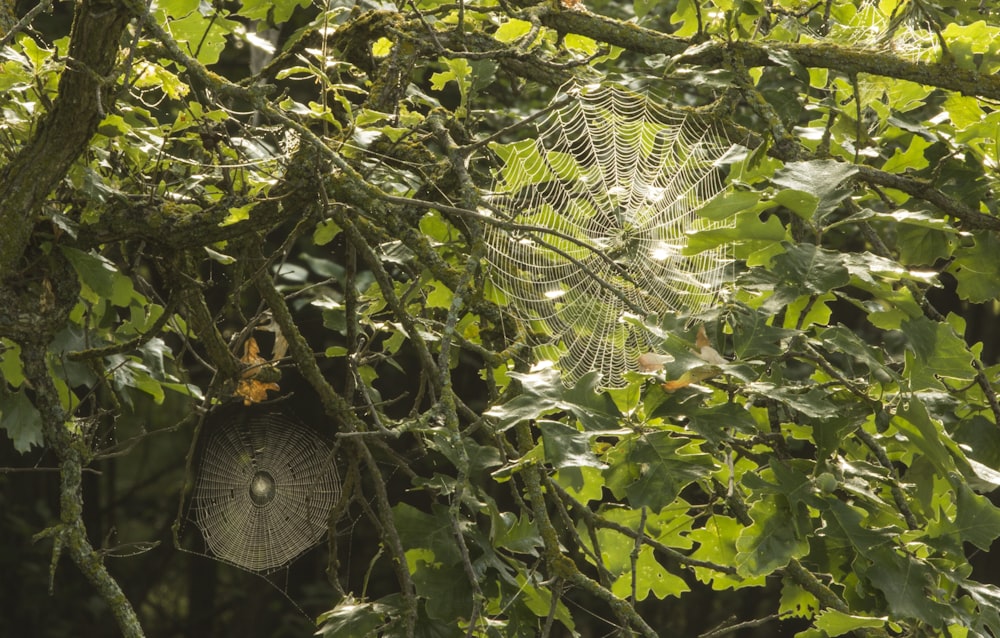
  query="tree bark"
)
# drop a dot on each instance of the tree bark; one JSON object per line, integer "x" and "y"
{"x": 86, "y": 93}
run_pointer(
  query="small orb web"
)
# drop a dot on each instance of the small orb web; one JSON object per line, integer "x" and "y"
{"x": 597, "y": 210}
{"x": 263, "y": 490}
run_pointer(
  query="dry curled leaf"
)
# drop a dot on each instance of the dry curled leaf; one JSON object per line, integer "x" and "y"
{"x": 257, "y": 377}
{"x": 280, "y": 343}
{"x": 694, "y": 375}
{"x": 251, "y": 358}
{"x": 703, "y": 349}
{"x": 652, "y": 362}
{"x": 253, "y": 391}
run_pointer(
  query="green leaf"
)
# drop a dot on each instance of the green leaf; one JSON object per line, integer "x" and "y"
{"x": 22, "y": 421}
{"x": 913, "y": 421}
{"x": 178, "y": 8}
{"x": 650, "y": 576}
{"x": 717, "y": 423}
{"x": 237, "y": 214}
{"x": 747, "y": 235}
{"x": 978, "y": 520}
{"x": 511, "y": 30}
{"x": 445, "y": 590}
{"x": 799, "y": 202}
{"x": 808, "y": 269}
{"x": 976, "y": 269}
{"x": 772, "y": 541}
{"x": 10, "y": 364}
{"x": 543, "y": 393}
{"x": 539, "y": 601}
{"x": 822, "y": 179}
{"x": 906, "y": 582}
{"x": 516, "y": 533}
{"x": 913, "y": 158}
{"x": 840, "y": 339}
{"x": 381, "y": 47}
{"x": 652, "y": 469}
{"x": 429, "y": 532}
{"x": 920, "y": 246}
{"x": 808, "y": 400}
{"x": 100, "y": 276}
{"x": 837, "y": 623}
{"x": 853, "y": 528}
{"x": 325, "y": 231}
{"x": 566, "y": 446}
{"x": 203, "y": 37}
{"x": 259, "y": 9}
{"x": 938, "y": 353}
{"x": 583, "y": 483}
{"x": 753, "y": 337}
{"x": 728, "y": 204}
{"x": 987, "y": 598}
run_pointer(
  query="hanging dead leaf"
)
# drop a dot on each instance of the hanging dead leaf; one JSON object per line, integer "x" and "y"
{"x": 251, "y": 358}
{"x": 694, "y": 375}
{"x": 258, "y": 376}
{"x": 652, "y": 362}
{"x": 704, "y": 350}
{"x": 280, "y": 343}
{"x": 253, "y": 391}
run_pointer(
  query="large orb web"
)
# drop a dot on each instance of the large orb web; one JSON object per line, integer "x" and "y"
{"x": 598, "y": 208}
{"x": 263, "y": 490}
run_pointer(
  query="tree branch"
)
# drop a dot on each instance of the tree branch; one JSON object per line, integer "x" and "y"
{"x": 813, "y": 54}
{"x": 85, "y": 94}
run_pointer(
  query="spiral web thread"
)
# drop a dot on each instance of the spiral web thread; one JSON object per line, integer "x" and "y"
{"x": 263, "y": 491}
{"x": 903, "y": 31}
{"x": 600, "y": 205}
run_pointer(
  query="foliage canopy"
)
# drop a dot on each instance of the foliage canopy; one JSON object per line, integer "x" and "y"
{"x": 179, "y": 179}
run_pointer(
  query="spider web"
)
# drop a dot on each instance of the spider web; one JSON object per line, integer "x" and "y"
{"x": 597, "y": 210}
{"x": 263, "y": 490}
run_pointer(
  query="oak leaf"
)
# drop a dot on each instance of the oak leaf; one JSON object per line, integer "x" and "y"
{"x": 250, "y": 388}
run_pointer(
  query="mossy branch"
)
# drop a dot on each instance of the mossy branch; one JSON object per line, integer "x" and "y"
{"x": 85, "y": 92}
{"x": 819, "y": 55}
{"x": 70, "y": 534}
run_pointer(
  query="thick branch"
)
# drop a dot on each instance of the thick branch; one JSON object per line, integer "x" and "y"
{"x": 815, "y": 55}
{"x": 60, "y": 290}
{"x": 84, "y": 96}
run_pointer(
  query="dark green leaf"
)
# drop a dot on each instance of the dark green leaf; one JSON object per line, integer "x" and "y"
{"x": 823, "y": 179}
{"x": 808, "y": 400}
{"x": 771, "y": 541}
{"x": 907, "y": 583}
{"x": 940, "y": 353}
{"x": 753, "y": 336}
{"x": 977, "y": 269}
{"x": 101, "y": 276}
{"x": 978, "y": 520}
{"x": 651, "y": 469}
{"x": 808, "y": 269}
{"x": 544, "y": 394}
{"x": 718, "y": 423}
{"x": 431, "y": 532}
{"x": 21, "y": 420}
{"x": 566, "y": 446}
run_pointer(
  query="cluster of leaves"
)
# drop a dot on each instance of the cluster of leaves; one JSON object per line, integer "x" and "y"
{"x": 835, "y": 446}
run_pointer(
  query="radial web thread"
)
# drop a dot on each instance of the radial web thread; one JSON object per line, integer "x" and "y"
{"x": 263, "y": 491}
{"x": 598, "y": 210}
